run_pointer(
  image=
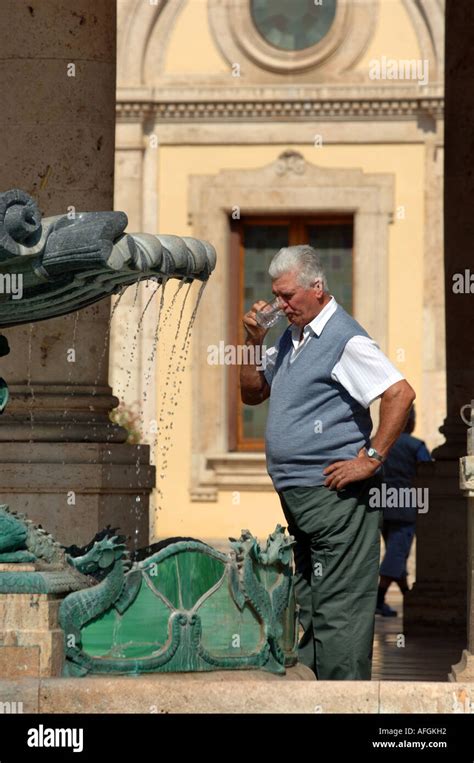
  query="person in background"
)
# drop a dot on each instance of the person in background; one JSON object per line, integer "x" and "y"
{"x": 398, "y": 527}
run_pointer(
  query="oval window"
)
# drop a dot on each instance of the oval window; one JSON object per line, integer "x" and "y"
{"x": 293, "y": 24}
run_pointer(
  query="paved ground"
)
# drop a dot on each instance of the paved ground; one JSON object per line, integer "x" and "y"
{"x": 421, "y": 659}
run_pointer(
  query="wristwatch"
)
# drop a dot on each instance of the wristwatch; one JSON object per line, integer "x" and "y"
{"x": 372, "y": 453}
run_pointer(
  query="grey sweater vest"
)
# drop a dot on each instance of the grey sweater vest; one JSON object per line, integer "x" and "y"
{"x": 312, "y": 420}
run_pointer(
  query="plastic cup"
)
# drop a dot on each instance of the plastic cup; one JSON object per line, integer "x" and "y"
{"x": 270, "y": 314}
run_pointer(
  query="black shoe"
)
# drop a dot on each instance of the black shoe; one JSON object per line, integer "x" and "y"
{"x": 386, "y": 611}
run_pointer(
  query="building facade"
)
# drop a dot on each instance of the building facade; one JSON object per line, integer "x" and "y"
{"x": 256, "y": 125}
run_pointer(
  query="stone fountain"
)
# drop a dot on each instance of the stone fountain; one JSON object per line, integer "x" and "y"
{"x": 186, "y": 606}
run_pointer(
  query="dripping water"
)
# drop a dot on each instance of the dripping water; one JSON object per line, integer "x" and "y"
{"x": 176, "y": 368}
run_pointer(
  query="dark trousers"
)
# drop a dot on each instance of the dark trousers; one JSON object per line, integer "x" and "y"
{"x": 398, "y": 537}
{"x": 337, "y": 557}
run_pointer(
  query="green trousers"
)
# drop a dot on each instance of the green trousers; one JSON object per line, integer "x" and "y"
{"x": 337, "y": 556}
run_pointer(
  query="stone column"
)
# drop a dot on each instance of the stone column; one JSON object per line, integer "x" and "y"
{"x": 439, "y": 595}
{"x": 62, "y": 460}
{"x": 433, "y": 351}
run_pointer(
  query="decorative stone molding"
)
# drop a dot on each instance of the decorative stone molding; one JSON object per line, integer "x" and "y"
{"x": 134, "y": 33}
{"x": 428, "y": 19}
{"x": 233, "y": 471}
{"x": 237, "y": 37}
{"x": 145, "y": 29}
{"x": 218, "y": 110}
{"x": 288, "y": 185}
{"x": 290, "y": 161}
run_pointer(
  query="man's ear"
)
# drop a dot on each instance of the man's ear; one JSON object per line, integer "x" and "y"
{"x": 318, "y": 287}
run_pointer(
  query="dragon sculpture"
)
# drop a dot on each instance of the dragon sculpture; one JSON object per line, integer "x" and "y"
{"x": 187, "y": 607}
{"x": 268, "y": 601}
{"x": 31, "y": 561}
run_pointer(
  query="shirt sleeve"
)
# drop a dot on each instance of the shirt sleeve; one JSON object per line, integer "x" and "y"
{"x": 364, "y": 371}
{"x": 423, "y": 454}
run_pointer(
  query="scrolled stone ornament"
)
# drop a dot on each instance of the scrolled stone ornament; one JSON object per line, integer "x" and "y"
{"x": 20, "y": 219}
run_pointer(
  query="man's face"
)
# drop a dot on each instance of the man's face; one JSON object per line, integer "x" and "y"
{"x": 300, "y": 304}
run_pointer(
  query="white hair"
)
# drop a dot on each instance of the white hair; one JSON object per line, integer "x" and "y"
{"x": 304, "y": 260}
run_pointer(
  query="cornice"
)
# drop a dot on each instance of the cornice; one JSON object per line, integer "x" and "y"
{"x": 207, "y": 109}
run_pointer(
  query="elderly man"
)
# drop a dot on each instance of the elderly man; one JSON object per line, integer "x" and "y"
{"x": 321, "y": 377}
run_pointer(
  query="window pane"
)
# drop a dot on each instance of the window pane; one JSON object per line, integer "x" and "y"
{"x": 293, "y": 24}
{"x": 334, "y": 244}
{"x": 261, "y": 243}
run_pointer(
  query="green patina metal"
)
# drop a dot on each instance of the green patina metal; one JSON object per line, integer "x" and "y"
{"x": 45, "y": 566}
{"x": 187, "y": 608}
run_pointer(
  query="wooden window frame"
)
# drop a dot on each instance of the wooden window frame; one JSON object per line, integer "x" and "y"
{"x": 297, "y": 225}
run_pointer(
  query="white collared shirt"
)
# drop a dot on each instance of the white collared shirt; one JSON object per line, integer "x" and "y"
{"x": 363, "y": 370}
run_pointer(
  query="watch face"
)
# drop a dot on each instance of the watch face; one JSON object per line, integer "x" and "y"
{"x": 372, "y": 453}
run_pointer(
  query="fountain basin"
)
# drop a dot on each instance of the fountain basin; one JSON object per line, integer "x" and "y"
{"x": 186, "y": 608}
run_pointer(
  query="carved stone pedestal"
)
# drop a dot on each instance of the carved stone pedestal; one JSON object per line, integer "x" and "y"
{"x": 31, "y": 642}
